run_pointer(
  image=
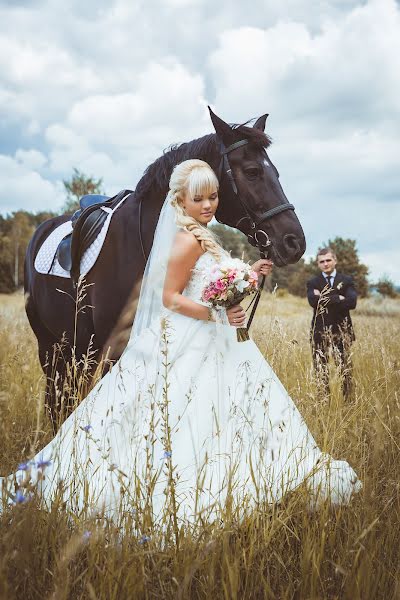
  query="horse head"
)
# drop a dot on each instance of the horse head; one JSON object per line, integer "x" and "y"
{"x": 251, "y": 196}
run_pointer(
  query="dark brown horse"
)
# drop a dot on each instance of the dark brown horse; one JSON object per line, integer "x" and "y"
{"x": 251, "y": 199}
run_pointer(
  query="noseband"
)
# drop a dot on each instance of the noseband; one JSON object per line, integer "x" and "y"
{"x": 256, "y": 236}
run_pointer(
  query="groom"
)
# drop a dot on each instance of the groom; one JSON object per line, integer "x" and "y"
{"x": 332, "y": 295}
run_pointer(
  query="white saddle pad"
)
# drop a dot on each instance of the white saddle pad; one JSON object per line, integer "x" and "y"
{"x": 46, "y": 262}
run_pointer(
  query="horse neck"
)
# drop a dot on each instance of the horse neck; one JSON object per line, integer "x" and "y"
{"x": 153, "y": 186}
{"x": 151, "y": 194}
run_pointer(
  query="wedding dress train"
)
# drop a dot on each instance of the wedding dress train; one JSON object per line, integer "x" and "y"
{"x": 187, "y": 416}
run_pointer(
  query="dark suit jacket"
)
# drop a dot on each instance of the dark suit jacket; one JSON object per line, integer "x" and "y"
{"x": 336, "y": 315}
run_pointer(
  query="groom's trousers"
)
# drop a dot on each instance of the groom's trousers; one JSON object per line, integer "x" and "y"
{"x": 339, "y": 346}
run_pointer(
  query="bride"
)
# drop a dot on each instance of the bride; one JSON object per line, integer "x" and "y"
{"x": 188, "y": 421}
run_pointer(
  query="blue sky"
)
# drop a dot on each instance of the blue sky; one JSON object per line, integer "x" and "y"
{"x": 106, "y": 86}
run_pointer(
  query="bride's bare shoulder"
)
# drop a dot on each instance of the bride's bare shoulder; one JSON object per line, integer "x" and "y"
{"x": 186, "y": 243}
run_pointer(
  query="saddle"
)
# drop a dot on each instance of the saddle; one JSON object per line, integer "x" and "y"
{"x": 86, "y": 223}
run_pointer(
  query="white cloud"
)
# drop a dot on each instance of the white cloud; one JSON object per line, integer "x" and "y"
{"x": 166, "y": 98}
{"x": 120, "y": 134}
{"x": 31, "y": 159}
{"x": 24, "y": 189}
{"x": 381, "y": 263}
{"x": 41, "y": 78}
{"x": 319, "y": 83}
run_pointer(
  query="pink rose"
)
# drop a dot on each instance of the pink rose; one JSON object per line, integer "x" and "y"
{"x": 220, "y": 285}
{"x": 253, "y": 278}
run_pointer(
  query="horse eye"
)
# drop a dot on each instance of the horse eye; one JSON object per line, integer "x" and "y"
{"x": 252, "y": 173}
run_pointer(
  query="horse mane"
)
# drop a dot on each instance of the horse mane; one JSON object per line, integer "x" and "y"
{"x": 204, "y": 148}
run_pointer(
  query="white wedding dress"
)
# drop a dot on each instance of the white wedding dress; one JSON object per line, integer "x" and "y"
{"x": 187, "y": 420}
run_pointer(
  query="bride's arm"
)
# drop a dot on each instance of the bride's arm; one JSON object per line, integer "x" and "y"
{"x": 185, "y": 252}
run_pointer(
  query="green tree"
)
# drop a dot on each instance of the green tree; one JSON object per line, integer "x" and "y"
{"x": 293, "y": 277}
{"x": 348, "y": 262}
{"x": 36, "y": 219}
{"x": 76, "y": 187}
{"x": 15, "y": 232}
{"x": 385, "y": 286}
{"x": 6, "y": 278}
{"x": 235, "y": 242}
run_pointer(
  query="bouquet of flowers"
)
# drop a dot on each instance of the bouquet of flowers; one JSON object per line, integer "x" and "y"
{"x": 227, "y": 283}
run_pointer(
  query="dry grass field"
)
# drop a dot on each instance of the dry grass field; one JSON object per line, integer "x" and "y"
{"x": 277, "y": 552}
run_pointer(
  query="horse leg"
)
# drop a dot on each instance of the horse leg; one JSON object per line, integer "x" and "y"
{"x": 55, "y": 377}
{"x": 53, "y": 356}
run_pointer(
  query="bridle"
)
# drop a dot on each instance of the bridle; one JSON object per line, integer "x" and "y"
{"x": 256, "y": 236}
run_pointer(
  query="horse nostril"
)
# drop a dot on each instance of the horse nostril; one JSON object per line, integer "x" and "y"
{"x": 291, "y": 243}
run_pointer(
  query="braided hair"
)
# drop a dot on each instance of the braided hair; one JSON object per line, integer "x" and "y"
{"x": 194, "y": 177}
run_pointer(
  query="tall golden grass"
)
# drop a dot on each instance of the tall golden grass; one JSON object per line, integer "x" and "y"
{"x": 279, "y": 552}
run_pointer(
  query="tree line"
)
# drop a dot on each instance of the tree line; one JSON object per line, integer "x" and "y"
{"x": 17, "y": 229}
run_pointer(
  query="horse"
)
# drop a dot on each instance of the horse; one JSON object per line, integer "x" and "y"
{"x": 78, "y": 326}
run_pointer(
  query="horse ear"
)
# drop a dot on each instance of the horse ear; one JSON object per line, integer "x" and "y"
{"x": 222, "y": 129}
{"x": 260, "y": 123}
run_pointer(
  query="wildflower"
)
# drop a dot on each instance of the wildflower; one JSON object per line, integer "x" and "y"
{"x": 86, "y": 536}
{"x": 87, "y": 428}
{"x": 144, "y": 539}
{"x": 23, "y": 466}
{"x": 112, "y": 467}
{"x": 167, "y": 454}
{"x": 20, "y": 498}
{"x": 42, "y": 464}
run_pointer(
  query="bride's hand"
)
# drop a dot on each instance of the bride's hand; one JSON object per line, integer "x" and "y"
{"x": 236, "y": 316}
{"x": 263, "y": 266}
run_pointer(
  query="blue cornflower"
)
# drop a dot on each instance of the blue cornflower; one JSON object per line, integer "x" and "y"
{"x": 20, "y": 498}
{"x": 87, "y": 428}
{"x": 167, "y": 454}
{"x": 23, "y": 466}
{"x": 144, "y": 539}
{"x": 86, "y": 535}
{"x": 42, "y": 464}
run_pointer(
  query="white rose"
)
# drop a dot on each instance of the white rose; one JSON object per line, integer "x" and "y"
{"x": 242, "y": 285}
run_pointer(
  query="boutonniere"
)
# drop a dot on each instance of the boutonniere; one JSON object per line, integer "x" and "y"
{"x": 339, "y": 285}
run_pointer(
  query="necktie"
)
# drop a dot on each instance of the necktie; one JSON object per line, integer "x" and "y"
{"x": 329, "y": 280}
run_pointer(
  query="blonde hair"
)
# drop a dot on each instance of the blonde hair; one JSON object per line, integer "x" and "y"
{"x": 194, "y": 177}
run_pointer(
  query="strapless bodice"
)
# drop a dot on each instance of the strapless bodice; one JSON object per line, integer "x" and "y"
{"x": 196, "y": 283}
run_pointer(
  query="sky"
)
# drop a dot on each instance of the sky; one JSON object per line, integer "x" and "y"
{"x": 106, "y": 86}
